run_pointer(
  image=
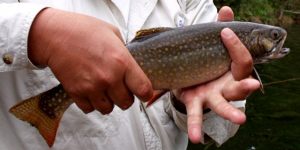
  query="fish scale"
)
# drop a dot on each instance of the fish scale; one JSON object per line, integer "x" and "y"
{"x": 172, "y": 58}
{"x": 184, "y": 57}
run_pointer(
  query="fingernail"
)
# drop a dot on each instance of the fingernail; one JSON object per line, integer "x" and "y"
{"x": 227, "y": 33}
{"x": 196, "y": 135}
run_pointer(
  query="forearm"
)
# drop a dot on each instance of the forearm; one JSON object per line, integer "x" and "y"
{"x": 49, "y": 29}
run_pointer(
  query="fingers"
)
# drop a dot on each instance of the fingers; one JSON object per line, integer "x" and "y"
{"x": 241, "y": 59}
{"x": 226, "y": 14}
{"x": 194, "y": 121}
{"x": 238, "y": 90}
{"x": 224, "y": 109}
{"x": 101, "y": 102}
{"x": 137, "y": 82}
{"x": 242, "y": 63}
{"x": 84, "y": 105}
{"x": 120, "y": 95}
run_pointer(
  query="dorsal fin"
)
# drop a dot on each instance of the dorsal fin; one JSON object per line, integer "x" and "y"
{"x": 146, "y": 33}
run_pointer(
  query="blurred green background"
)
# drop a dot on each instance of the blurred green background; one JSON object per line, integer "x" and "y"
{"x": 273, "y": 118}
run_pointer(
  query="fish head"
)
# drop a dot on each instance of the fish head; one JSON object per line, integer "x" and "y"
{"x": 267, "y": 44}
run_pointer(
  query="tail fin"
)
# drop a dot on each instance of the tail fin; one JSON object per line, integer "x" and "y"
{"x": 43, "y": 112}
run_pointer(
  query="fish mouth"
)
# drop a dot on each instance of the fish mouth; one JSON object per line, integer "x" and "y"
{"x": 277, "y": 52}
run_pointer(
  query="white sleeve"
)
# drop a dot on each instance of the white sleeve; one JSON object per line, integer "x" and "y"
{"x": 179, "y": 118}
{"x": 15, "y": 23}
{"x": 218, "y": 128}
{"x": 198, "y": 11}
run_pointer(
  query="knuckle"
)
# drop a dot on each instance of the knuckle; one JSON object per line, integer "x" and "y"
{"x": 243, "y": 85}
{"x": 86, "y": 88}
{"x": 245, "y": 91}
{"x": 105, "y": 80}
{"x": 73, "y": 91}
{"x": 247, "y": 62}
{"x": 222, "y": 110}
{"x": 121, "y": 59}
{"x": 234, "y": 40}
{"x": 193, "y": 118}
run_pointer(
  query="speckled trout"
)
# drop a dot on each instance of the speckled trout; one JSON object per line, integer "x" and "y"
{"x": 172, "y": 58}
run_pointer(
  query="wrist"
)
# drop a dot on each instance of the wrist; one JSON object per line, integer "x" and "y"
{"x": 37, "y": 42}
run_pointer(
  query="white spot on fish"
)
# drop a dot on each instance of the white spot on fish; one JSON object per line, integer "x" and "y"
{"x": 65, "y": 95}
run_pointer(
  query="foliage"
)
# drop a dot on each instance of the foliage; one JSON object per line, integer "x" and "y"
{"x": 266, "y": 11}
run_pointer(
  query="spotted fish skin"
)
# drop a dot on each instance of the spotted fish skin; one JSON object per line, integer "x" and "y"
{"x": 195, "y": 54}
{"x": 172, "y": 58}
{"x": 181, "y": 58}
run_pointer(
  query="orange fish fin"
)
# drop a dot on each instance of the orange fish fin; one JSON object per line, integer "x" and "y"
{"x": 145, "y": 33}
{"x": 45, "y": 118}
{"x": 156, "y": 95}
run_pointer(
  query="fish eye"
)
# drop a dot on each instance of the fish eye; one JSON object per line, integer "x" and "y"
{"x": 274, "y": 34}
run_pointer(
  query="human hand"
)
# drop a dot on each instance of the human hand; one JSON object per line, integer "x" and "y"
{"x": 89, "y": 58}
{"x": 234, "y": 85}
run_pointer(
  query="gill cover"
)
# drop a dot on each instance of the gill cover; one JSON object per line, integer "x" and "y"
{"x": 265, "y": 43}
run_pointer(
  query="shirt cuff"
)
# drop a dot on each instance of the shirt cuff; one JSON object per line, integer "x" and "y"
{"x": 15, "y": 23}
{"x": 179, "y": 118}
